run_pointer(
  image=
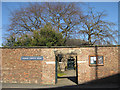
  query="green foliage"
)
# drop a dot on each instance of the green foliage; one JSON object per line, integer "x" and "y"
{"x": 46, "y": 36}
{"x": 25, "y": 40}
{"x": 10, "y": 41}
{"x": 61, "y": 74}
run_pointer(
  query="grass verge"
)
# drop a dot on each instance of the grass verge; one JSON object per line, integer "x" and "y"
{"x": 60, "y": 74}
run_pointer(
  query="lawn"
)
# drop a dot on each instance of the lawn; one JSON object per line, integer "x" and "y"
{"x": 60, "y": 74}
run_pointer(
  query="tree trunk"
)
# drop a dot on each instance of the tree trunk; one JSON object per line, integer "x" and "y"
{"x": 65, "y": 37}
{"x": 89, "y": 39}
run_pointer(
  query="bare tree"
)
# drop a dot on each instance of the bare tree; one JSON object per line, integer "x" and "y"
{"x": 63, "y": 16}
{"x": 96, "y": 30}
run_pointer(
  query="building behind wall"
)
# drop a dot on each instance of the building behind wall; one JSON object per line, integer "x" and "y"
{"x": 15, "y": 70}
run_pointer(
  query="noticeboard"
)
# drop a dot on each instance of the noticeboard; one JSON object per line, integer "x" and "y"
{"x": 96, "y": 60}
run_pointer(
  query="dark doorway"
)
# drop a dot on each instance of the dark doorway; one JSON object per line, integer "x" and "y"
{"x": 71, "y": 63}
{"x": 71, "y": 72}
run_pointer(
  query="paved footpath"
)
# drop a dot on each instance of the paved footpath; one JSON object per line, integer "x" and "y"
{"x": 36, "y": 86}
{"x": 62, "y": 82}
{"x": 65, "y": 82}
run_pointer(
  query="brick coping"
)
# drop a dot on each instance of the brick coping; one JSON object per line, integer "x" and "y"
{"x": 61, "y": 46}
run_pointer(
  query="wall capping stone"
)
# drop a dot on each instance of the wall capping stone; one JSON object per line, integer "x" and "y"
{"x": 61, "y": 46}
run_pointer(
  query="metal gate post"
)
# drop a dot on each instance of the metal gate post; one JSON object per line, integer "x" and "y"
{"x": 56, "y": 69}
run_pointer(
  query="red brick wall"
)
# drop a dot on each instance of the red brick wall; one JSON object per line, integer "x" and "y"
{"x": 15, "y": 70}
{"x": 110, "y": 67}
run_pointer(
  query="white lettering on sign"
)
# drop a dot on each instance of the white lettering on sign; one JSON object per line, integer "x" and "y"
{"x": 32, "y": 58}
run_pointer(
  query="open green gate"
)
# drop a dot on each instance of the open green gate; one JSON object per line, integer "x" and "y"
{"x": 56, "y": 58}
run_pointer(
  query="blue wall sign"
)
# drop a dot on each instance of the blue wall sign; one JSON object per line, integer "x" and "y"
{"x": 32, "y": 58}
